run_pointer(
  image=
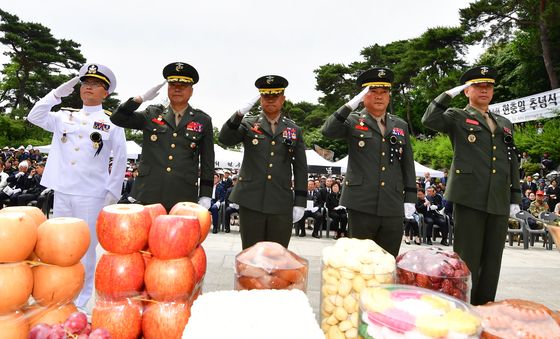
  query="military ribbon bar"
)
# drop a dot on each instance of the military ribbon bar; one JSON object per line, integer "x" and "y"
{"x": 157, "y": 121}
{"x": 472, "y": 122}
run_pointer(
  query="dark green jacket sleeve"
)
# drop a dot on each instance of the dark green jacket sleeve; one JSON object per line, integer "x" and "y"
{"x": 232, "y": 131}
{"x": 335, "y": 125}
{"x": 408, "y": 170}
{"x": 207, "y": 160}
{"x": 300, "y": 172}
{"x": 125, "y": 115}
{"x": 436, "y": 117}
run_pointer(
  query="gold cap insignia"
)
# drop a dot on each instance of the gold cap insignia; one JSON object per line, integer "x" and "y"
{"x": 269, "y": 79}
{"x": 92, "y": 69}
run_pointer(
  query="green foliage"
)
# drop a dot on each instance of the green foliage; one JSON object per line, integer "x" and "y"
{"x": 19, "y": 132}
{"x": 532, "y": 167}
{"x": 527, "y": 140}
{"x": 435, "y": 152}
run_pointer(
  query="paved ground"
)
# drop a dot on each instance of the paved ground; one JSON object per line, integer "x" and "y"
{"x": 532, "y": 274}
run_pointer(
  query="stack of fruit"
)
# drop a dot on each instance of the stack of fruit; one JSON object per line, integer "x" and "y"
{"x": 435, "y": 269}
{"x": 152, "y": 258}
{"x": 348, "y": 267}
{"x": 268, "y": 265}
{"x": 53, "y": 274}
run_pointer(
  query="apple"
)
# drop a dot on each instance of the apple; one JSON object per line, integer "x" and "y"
{"x": 198, "y": 259}
{"x": 119, "y": 275}
{"x": 165, "y": 320}
{"x": 170, "y": 280}
{"x": 173, "y": 236}
{"x": 203, "y": 215}
{"x": 155, "y": 210}
{"x": 123, "y": 228}
{"x": 123, "y": 318}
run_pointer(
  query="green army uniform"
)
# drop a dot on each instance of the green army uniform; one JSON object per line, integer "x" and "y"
{"x": 380, "y": 176}
{"x": 264, "y": 187}
{"x": 172, "y": 154}
{"x": 482, "y": 184}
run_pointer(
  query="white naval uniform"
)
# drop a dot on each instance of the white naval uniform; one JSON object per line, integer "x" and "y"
{"x": 80, "y": 179}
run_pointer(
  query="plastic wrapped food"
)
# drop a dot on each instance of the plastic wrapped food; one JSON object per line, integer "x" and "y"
{"x": 514, "y": 318}
{"x": 437, "y": 270}
{"x": 348, "y": 267}
{"x": 268, "y": 265}
{"x": 400, "y": 311}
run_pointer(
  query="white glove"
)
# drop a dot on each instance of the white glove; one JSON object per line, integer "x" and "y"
{"x": 314, "y": 209}
{"x": 409, "y": 209}
{"x": 152, "y": 92}
{"x": 66, "y": 88}
{"x": 110, "y": 199}
{"x": 19, "y": 174}
{"x": 46, "y": 191}
{"x": 514, "y": 209}
{"x": 456, "y": 90}
{"x": 205, "y": 202}
{"x": 433, "y": 207}
{"x": 232, "y": 205}
{"x": 16, "y": 191}
{"x": 248, "y": 105}
{"x": 355, "y": 101}
{"x": 297, "y": 213}
{"x": 217, "y": 204}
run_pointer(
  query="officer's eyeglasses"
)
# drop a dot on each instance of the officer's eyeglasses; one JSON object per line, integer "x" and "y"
{"x": 92, "y": 83}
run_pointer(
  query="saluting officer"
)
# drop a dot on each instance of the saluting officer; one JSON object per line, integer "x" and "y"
{"x": 483, "y": 181}
{"x": 177, "y": 139}
{"x": 380, "y": 176}
{"x": 273, "y": 150}
{"x": 78, "y": 166}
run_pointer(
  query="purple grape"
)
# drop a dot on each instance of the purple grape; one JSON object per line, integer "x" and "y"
{"x": 76, "y": 322}
{"x": 100, "y": 333}
{"x": 86, "y": 330}
{"x": 83, "y": 336}
{"x": 40, "y": 331}
{"x": 57, "y": 332}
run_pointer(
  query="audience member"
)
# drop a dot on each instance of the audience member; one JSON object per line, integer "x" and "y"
{"x": 218, "y": 197}
{"x": 311, "y": 210}
{"x": 536, "y": 207}
{"x": 529, "y": 184}
{"x": 336, "y": 212}
{"x": 430, "y": 204}
{"x": 230, "y": 206}
{"x": 553, "y": 193}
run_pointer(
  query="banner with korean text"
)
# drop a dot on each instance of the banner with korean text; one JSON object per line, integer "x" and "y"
{"x": 534, "y": 107}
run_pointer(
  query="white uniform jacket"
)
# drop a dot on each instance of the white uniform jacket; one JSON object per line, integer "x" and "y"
{"x": 72, "y": 166}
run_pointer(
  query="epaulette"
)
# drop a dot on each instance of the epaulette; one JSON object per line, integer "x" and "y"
{"x": 199, "y": 111}
{"x": 71, "y": 109}
{"x": 107, "y": 112}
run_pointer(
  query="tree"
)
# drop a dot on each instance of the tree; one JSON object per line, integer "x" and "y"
{"x": 498, "y": 20}
{"x": 37, "y": 61}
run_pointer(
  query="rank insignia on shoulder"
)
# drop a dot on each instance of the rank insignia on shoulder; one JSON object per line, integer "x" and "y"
{"x": 472, "y": 122}
{"x": 107, "y": 112}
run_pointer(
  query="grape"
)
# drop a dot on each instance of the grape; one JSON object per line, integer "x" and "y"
{"x": 40, "y": 331}
{"x": 57, "y": 332}
{"x": 100, "y": 333}
{"x": 76, "y": 322}
{"x": 83, "y": 336}
{"x": 86, "y": 330}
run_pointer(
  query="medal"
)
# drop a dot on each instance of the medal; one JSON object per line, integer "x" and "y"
{"x": 471, "y": 138}
{"x": 193, "y": 145}
{"x": 153, "y": 137}
{"x": 255, "y": 141}
{"x": 361, "y": 143}
{"x": 95, "y": 137}
{"x": 393, "y": 140}
{"x": 64, "y": 138}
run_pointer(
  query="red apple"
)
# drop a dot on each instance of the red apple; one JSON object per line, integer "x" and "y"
{"x": 198, "y": 259}
{"x": 123, "y": 228}
{"x": 170, "y": 280}
{"x": 165, "y": 320}
{"x": 119, "y": 275}
{"x": 155, "y": 210}
{"x": 203, "y": 215}
{"x": 173, "y": 236}
{"x": 123, "y": 318}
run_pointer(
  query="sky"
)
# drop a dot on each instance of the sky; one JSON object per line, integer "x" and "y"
{"x": 230, "y": 43}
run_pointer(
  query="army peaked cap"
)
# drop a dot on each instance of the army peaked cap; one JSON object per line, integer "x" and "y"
{"x": 376, "y": 77}
{"x": 271, "y": 84}
{"x": 180, "y": 72}
{"x": 479, "y": 74}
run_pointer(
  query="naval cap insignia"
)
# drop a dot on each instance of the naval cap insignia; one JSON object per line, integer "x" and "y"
{"x": 483, "y": 70}
{"x": 269, "y": 79}
{"x": 92, "y": 69}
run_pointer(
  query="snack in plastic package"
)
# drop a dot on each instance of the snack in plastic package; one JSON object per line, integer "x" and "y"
{"x": 401, "y": 311}
{"x": 269, "y": 265}
{"x": 515, "y": 318}
{"x": 348, "y": 267}
{"x": 435, "y": 269}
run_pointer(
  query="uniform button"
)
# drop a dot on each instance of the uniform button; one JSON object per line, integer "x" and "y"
{"x": 493, "y": 158}
{"x": 168, "y": 169}
{"x": 494, "y": 147}
{"x": 457, "y": 171}
{"x": 170, "y": 157}
{"x": 493, "y": 171}
{"x": 382, "y": 154}
{"x": 361, "y": 135}
{"x": 84, "y": 123}
{"x": 383, "y": 168}
{"x": 273, "y": 142}
{"x": 271, "y": 153}
{"x": 87, "y": 114}
{"x": 240, "y": 178}
{"x": 493, "y": 135}
{"x": 269, "y": 165}
{"x": 76, "y": 149}
{"x": 347, "y": 183}
{"x": 73, "y": 162}
{"x": 80, "y": 136}
{"x": 174, "y": 134}
{"x": 383, "y": 139}
{"x": 383, "y": 183}
{"x": 172, "y": 145}
{"x": 471, "y": 129}
{"x": 269, "y": 177}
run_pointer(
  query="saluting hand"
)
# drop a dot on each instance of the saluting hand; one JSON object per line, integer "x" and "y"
{"x": 456, "y": 90}
{"x": 248, "y": 105}
{"x": 355, "y": 101}
{"x": 66, "y": 88}
{"x": 152, "y": 92}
